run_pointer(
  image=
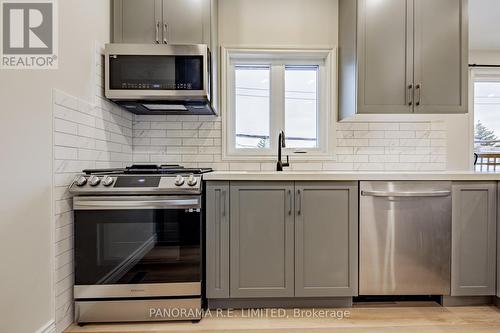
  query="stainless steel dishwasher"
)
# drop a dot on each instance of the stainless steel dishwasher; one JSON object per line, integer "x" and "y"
{"x": 405, "y": 238}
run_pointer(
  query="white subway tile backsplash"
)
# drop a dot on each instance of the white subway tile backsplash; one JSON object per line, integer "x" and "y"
{"x": 353, "y": 126}
{"x": 368, "y": 150}
{"x": 166, "y": 125}
{"x": 414, "y": 142}
{"x": 369, "y": 134}
{"x": 384, "y": 142}
{"x": 415, "y": 126}
{"x": 359, "y": 145}
{"x": 64, "y": 126}
{"x": 149, "y": 133}
{"x": 415, "y": 158}
{"x": 85, "y": 136}
{"x": 438, "y": 143}
{"x": 197, "y": 158}
{"x": 65, "y": 153}
{"x": 400, "y": 134}
{"x": 383, "y": 126}
{"x": 384, "y": 158}
{"x": 166, "y": 142}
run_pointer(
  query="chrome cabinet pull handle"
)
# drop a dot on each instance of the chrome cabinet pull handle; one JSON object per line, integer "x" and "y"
{"x": 165, "y": 33}
{"x": 157, "y": 32}
{"x": 290, "y": 202}
{"x": 299, "y": 197}
{"x": 410, "y": 94}
{"x": 419, "y": 93}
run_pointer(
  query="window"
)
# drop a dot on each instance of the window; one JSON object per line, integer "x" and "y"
{"x": 486, "y": 85}
{"x": 268, "y": 91}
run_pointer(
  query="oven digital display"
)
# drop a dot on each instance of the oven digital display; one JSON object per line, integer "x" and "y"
{"x": 137, "y": 181}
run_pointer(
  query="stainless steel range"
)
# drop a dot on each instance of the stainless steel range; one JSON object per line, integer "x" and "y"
{"x": 138, "y": 244}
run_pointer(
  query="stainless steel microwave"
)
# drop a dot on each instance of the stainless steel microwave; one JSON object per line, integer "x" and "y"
{"x": 159, "y": 79}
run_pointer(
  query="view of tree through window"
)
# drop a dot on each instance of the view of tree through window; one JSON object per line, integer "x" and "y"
{"x": 487, "y": 116}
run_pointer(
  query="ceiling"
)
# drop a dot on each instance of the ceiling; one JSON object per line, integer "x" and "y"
{"x": 484, "y": 24}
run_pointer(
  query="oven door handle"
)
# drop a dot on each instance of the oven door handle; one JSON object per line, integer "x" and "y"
{"x": 136, "y": 203}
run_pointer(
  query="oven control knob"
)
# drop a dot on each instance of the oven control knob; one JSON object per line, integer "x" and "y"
{"x": 80, "y": 181}
{"x": 192, "y": 181}
{"x": 94, "y": 181}
{"x": 108, "y": 181}
{"x": 179, "y": 180}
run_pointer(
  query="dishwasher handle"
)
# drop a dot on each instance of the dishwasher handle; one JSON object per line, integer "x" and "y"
{"x": 443, "y": 193}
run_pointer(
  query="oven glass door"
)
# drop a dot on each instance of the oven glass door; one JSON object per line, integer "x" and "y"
{"x": 137, "y": 241}
{"x": 155, "y": 72}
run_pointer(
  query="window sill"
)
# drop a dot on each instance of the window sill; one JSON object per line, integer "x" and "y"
{"x": 269, "y": 158}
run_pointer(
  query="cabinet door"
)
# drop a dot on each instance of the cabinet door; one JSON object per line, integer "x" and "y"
{"x": 473, "y": 266}
{"x": 385, "y": 50}
{"x": 217, "y": 239}
{"x": 183, "y": 21}
{"x": 137, "y": 21}
{"x": 441, "y": 56}
{"x": 326, "y": 239}
{"x": 261, "y": 239}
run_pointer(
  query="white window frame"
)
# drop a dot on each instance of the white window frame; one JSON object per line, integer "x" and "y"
{"x": 479, "y": 74}
{"x": 277, "y": 59}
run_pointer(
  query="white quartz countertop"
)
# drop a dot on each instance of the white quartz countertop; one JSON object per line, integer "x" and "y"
{"x": 348, "y": 176}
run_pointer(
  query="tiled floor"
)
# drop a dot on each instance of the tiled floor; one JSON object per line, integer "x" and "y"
{"x": 373, "y": 319}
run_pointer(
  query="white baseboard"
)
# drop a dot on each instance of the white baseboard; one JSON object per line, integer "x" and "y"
{"x": 49, "y": 327}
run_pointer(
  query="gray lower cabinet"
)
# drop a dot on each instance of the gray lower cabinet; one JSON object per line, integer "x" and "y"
{"x": 326, "y": 239}
{"x": 261, "y": 239}
{"x": 217, "y": 239}
{"x": 473, "y": 267}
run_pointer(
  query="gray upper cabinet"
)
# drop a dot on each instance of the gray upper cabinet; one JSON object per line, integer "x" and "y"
{"x": 183, "y": 21}
{"x": 217, "y": 239}
{"x": 326, "y": 239}
{"x": 162, "y": 21}
{"x": 261, "y": 239}
{"x": 137, "y": 21}
{"x": 473, "y": 268}
{"x": 385, "y": 56}
{"x": 441, "y": 56}
{"x": 403, "y": 56}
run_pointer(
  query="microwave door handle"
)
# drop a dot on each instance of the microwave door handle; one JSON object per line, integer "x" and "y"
{"x": 136, "y": 204}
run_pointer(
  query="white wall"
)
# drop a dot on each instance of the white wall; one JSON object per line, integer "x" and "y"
{"x": 484, "y": 57}
{"x": 26, "y": 232}
{"x": 305, "y": 23}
